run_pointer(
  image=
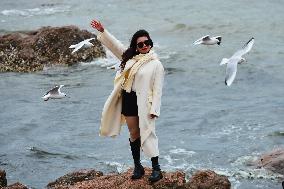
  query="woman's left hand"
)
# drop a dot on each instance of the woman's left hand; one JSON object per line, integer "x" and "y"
{"x": 152, "y": 116}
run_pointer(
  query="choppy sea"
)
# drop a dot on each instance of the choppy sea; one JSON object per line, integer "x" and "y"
{"x": 203, "y": 124}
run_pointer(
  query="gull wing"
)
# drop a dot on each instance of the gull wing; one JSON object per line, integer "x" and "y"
{"x": 231, "y": 71}
{"x": 246, "y": 48}
{"x": 82, "y": 42}
{"x": 198, "y": 41}
{"x": 90, "y": 39}
{"x": 60, "y": 87}
{"x": 53, "y": 91}
{"x": 79, "y": 46}
{"x": 224, "y": 61}
{"x": 73, "y": 46}
{"x": 115, "y": 67}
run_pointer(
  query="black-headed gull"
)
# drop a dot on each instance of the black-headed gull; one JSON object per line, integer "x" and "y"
{"x": 207, "y": 40}
{"x": 86, "y": 44}
{"x": 115, "y": 67}
{"x": 232, "y": 63}
{"x": 54, "y": 93}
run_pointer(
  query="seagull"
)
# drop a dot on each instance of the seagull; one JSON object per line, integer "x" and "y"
{"x": 54, "y": 93}
{"x": 86, "y": 43}
{"x": 207, "y": 40}
{"x": 115, "y": 67}
{"x": 236, "y": 59}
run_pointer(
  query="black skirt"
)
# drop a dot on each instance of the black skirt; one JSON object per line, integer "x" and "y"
{"x": 129, "y": 104}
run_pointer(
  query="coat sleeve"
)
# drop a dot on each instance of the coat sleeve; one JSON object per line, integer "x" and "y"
{"x": 157, "y": 89}
{"x": 114, "y": 45}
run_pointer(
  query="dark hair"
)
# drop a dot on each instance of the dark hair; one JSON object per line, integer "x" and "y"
{"x": 131, "y": 51}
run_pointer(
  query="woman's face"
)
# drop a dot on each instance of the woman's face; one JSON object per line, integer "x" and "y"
{"x": 143, "y": 45}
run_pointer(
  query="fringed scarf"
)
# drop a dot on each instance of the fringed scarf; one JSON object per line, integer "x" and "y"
{"x": 129, "y": 72}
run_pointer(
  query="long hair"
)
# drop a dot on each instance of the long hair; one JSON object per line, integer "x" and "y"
{"x": 131, "y": 51}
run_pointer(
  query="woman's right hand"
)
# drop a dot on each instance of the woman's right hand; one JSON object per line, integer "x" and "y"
{"x": 97, "y": 25}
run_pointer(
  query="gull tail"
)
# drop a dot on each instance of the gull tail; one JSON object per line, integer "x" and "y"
{"x": 226, "y": 82}
{"x": 45, "y": 98}
{"x": 219, "y": 40}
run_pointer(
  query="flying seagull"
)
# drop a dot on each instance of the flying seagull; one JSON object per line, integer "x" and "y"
{"x": 54, "y": 93}
{"x": 115, "y": 67}
{"x": 236, "y": 59}
{"x": 86, "y": 44}
{"x": 207, "y": 40}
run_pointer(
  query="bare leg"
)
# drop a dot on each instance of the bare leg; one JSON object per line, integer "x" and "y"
{"x": 133, "y": 127}
{"x": 135, "y": 143}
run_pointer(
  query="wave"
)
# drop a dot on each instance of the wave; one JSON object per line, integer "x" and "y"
{"x": 118, "y": 167}
{"x": 110, "y": 60}
{"x": 182, "y": 151}
{"x": 39, "y": 153}
{"x": 35, "y": 11}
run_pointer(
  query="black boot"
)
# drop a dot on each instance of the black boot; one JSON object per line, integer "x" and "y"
{"x": 138, "y": 168}
{"x": 156, "y": 171}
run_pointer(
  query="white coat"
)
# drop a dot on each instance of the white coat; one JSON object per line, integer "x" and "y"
{"x": 148, "y": 84}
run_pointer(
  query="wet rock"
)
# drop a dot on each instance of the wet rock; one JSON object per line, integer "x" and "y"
{"x": 208, "y": 180}
{"x": 273, "y": 161}
{"x": 73, "y": 178}
{"x": 31, "y": 51}
{"x": 16, "y": 185}
{"x": 173, "y": 180}
{"x": 3, "y": 180}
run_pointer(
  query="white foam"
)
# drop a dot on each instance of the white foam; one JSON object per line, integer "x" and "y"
{"x": 182, "y": 151}
{"x": 119, "y": 167}
{"x": 110, "y": 60}
{"x": 35, "y": 11}
{"x": 169, "y": 159}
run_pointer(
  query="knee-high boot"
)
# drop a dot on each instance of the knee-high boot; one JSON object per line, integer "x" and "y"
{"x": 138, "y": 168}
{"x": 156, "y": 171}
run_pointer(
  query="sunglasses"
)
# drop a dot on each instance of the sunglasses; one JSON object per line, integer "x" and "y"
{"x": 141, "y": 44}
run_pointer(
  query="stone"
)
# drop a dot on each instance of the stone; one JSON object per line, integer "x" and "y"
{"x": 171, "y": 180}
{"x": 273, "y": 161}
{"x": 3, "y": 180}
{"x": 31, "y": 51}
{"x": 208, "y": 179}
{"x": 16, "y": 185}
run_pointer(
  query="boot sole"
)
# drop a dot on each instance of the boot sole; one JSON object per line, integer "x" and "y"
{"x": 152, "y": 181}
{"x": 135, "y": 178}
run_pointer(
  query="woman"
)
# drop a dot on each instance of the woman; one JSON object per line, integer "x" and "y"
{"x": 136, "y": 97}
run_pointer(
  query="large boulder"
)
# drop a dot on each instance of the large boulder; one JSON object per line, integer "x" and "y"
{"x": 3, "y": 180}
{"x": 16, "y": 185}
{"x": 208, "y": 179}
{"x": 171, "y": 180}
{"x": 273, "y": 161}
{"x": 75, "y": 177}
{"x": 31, "y": 51}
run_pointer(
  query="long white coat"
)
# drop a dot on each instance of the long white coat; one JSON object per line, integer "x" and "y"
{"x": 148, "y": 83}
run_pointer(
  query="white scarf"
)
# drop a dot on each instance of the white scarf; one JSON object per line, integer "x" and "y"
{"x": 134, "y": 64}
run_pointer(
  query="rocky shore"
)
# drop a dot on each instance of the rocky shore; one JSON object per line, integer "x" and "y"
{"x": 91, "y": 179}
{"x": 31, "y": 51}
{"x": 203, "y": 179}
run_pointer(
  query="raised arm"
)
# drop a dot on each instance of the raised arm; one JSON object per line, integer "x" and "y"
{"x": 108, "y": 40}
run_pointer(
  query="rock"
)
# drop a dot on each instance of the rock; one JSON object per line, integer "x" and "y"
{"x": 208, "y": 180}
{"x": 16, "y": 185}
{"x": 273, "y": 161}
{"x": 73, "y": 178}
{"x": 31, "y": 51}
{"x": 3, "y": 180}
{"x": 173, "y": 180}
